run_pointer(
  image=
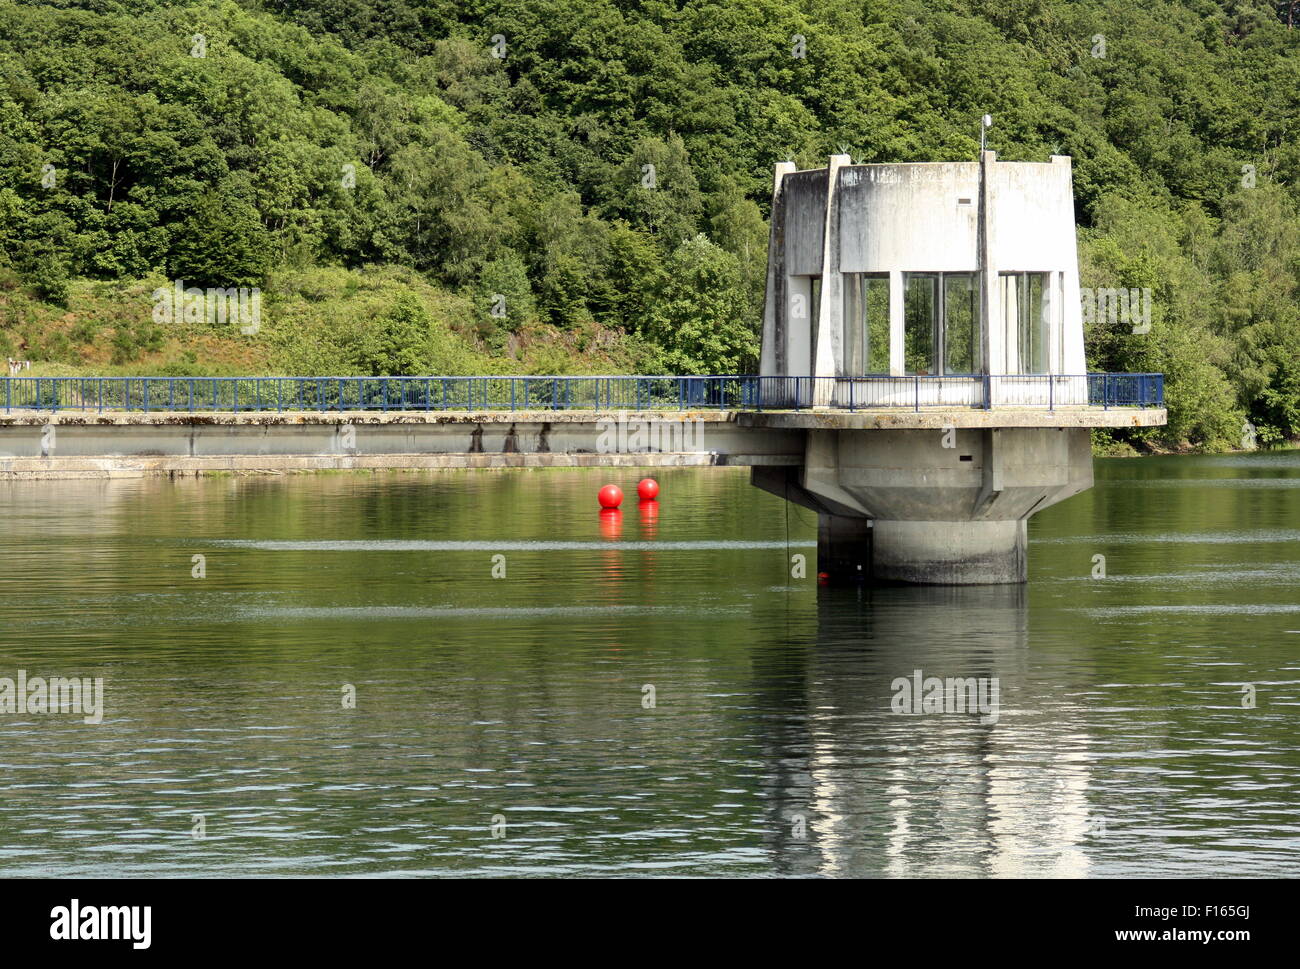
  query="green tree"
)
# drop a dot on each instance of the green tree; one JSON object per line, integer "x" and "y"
{"x": 655, "y": 190}
{"x": 398, "y": 344}
{"x": 222, "y": 243}
{"x": 698, "y": 316}
{"x": 503, "y": 297}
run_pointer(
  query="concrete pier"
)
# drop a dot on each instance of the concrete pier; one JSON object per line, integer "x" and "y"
{"x": 918, "y": 510}
{"x": 949, "y": 553}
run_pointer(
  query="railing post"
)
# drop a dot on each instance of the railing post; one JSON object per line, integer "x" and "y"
{"x": 1105, "y": 391}
{"x": 1051, "y": 393}
{"x": 916, "y": 390}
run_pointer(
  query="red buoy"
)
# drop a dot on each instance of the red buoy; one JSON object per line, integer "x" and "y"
{"x": 611, "y": 496}
{"x": 647, "y": 489}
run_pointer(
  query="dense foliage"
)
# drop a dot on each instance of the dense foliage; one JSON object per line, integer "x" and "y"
{"x": 607, "y": 177}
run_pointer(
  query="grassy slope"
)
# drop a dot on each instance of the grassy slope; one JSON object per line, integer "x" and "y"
{"x": 311, "y": 322}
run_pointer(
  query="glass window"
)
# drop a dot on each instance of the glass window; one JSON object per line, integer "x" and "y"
{"x": 961, "y": 331}
{"x": 1060, "y": 343}
{"x": 877, "y": 323}
{"x": 1025, "y": 319}
{"x": 866, "y": 324}
{"x": 815, "y": 288}
{"x": 920, "y": 322}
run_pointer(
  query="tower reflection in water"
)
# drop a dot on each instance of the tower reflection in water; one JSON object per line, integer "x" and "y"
{"x": 860, "y": 789}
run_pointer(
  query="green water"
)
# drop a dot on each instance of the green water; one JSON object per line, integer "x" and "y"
{"x": 1121, "y": 746}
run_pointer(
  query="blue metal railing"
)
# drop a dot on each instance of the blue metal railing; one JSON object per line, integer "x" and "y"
{"x": 239, "y": 394}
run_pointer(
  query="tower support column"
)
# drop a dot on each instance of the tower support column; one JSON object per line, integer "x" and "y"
{"x": 949, "y": 552}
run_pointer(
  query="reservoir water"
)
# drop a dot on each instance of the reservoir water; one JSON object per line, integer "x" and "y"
{"x": 543, "y": 691}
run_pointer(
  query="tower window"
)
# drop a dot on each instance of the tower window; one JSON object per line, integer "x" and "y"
{"x": 941, "y": 323}
{"x": 866, "y": 324}
{"x": 1025, "y": 321}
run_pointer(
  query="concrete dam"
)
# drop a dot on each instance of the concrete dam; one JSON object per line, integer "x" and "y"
{"x": 923, "y": 385}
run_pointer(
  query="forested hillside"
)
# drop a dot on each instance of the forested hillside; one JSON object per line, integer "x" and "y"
{"x": 383, "y": 168}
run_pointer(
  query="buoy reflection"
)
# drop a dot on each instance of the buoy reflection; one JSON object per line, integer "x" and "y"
{"x": 649, "y": 513}
{"x": 611, "y": 524}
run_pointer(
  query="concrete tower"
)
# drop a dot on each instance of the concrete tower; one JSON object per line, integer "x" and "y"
{"x": 923, "y": 326}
